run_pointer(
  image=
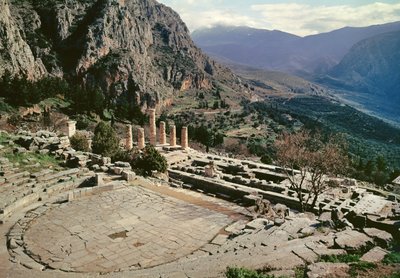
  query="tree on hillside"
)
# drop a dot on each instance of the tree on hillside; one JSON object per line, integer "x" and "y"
{"x": 105, "y": 140}
{"x": 307, "y": 161}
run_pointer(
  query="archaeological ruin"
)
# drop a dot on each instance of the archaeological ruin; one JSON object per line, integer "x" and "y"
{"x": 93, "y": 216}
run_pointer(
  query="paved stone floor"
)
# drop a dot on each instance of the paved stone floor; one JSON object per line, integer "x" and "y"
{"x": 131, "y": 228}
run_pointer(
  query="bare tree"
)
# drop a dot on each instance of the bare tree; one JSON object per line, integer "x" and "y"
{"x": 307, "y": 161}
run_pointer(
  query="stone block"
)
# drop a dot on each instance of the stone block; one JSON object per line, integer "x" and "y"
{"x": 128, "y": 175}
{"x": 116, "y": 170}
{"x": 121, "y": 164}
{"x": 99, "y": 179}
{"x": 105, "y": 161}
{"x": 19, "y": 150}
{"x": 95, "y": 167}
{"x": 44, "y": 151}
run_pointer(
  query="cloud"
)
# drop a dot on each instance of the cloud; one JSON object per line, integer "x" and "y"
{"x": 296, "y": 18}
{"x": 212, "y": 18}
{"x": 303, "y": 19}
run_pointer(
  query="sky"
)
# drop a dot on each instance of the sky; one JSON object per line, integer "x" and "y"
{"x": 300, "y": 17}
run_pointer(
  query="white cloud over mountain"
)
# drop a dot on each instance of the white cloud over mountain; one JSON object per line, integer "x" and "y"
{"x": 297, "y": 18}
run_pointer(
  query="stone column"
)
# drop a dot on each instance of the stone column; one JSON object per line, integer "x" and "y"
{"x": 128, "y": 143}
{"x": 71, "y": 128}
{"x": 184, "y": 138}
{"x": 172, "y": 136}
{"x": 153, "y": 139}
{"x": 140, "y": 137}
{"x": 163, "y": 139}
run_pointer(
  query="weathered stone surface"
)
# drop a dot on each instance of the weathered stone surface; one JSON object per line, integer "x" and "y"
{"x": 327, "y": 270}
{"x": 374, "y": 255}
{"x": 352, "y": 240}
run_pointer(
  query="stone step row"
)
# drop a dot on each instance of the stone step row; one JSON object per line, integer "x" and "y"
{"x": 31, "y": 186}
{"x": 11, "y": 185}
{"x": 40, "y": 195}
{"x": 10, "y": 197}
{"x": 47, "y": 178}
{"x": 233, "y": 190}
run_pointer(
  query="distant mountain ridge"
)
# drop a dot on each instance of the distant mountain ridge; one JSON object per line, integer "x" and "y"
{"x": 371, "y": 70}
{"x": 276, "y": 50}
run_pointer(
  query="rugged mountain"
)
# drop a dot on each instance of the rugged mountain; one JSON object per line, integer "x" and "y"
{"x": 275, "y": 50}
{"x": 138, "y": 49}
{"x": 372, "y": 72}
{"x": 244, "y": 45}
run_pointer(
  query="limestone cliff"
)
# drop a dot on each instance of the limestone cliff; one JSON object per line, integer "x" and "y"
{"x": 138, "y": 49}
{"x": 16, "y": 55}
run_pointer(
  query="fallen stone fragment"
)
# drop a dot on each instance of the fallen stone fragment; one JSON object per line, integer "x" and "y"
{"x": 351, "y": 240}
{"x": 257, "y": 224}
{"x": 279, "y": 221}
{"x": 19, "y": 150}
{"x": 375, "y": 255}
{"x": 307, "y": 231}
{"x": 381, "y": 238}
{"x": 331, "y": 270}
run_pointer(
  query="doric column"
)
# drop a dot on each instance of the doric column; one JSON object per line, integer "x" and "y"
{"x": 163, "y": 139}
{"x": 128, "y": 143}
{"x": 172, "y": 136}
{"x": 140, "y": 136}
{"x": 184, "y": 138}
{"x": 152, "y": 114}
{"x": 71, "y": 128}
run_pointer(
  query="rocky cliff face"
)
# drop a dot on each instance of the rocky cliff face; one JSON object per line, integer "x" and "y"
{"x": 137, "y": 50}
{"x": 16, "y": 55}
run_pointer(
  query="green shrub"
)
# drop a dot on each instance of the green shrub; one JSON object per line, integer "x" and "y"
{"x": 150, "y": 160}
{"x": 105, "y": 140}
{"x": 82, "y": 122}
{"x": 14, "y": 120}
{"x": 266, "y": 159}
{"x": 394, "y": 275}
{"x": 124, "y": 155}
{"x": 361, "y": 266}
{"x": 345, "y": 258}
{"x": 234, "y": 272}
{"x": 392, "y": 258}
{"x": 79, "y": 142}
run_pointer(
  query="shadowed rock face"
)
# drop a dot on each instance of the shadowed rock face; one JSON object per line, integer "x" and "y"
{"x": 131, "y": 47}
